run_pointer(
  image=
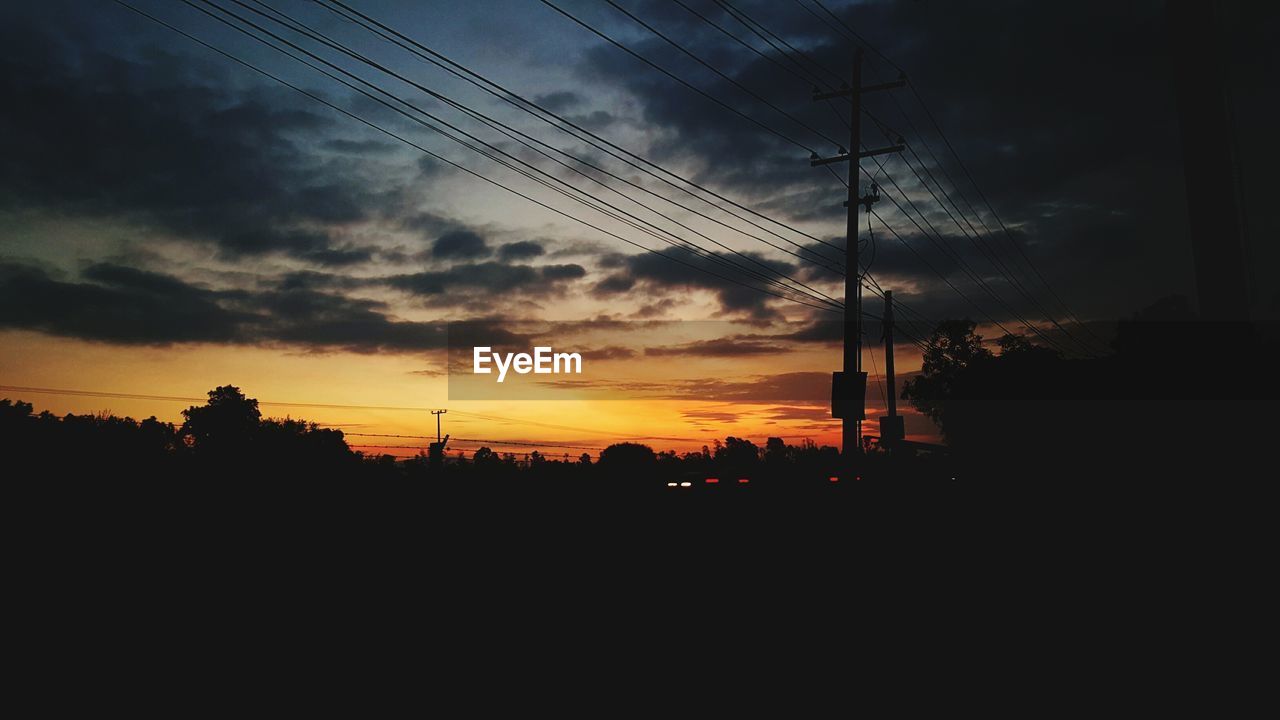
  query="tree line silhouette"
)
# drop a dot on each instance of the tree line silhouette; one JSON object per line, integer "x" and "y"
{"x": 1007, "y": 410}
{"x": 228, "y": 438}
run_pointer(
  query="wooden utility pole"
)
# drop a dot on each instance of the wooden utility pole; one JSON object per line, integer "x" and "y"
{"x": 438, "y": 413}
{"x": 891, "y": 427}
{"x": 849, "y": 387}
{"x": 436, "y": 451}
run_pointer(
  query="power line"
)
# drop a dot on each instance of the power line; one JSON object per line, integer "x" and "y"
{"x": 852, "y": 34}
{"x": 982, "y": 196}
{"x": 517, "y": 443}
{"x": 451, "y": 137}
{"x": 876, "y": 370}
{"x": 722, "y": 74}
{"x": 959, "y": 260}
{"x": 554, "y": 426}
{"x": 859, "y": 38}
{"x": 472, "y": 440}
{"x": 301, "y": 28}
{"x": 764, "y": 126}
{"x": 989, "y": 254}
{"x": 591, "y": 139}
{"x": 560, "y": 123}
{"x": 383, "y": 130}
{"x": 471, "y": 450}
{"x": 937, "y": 272}
{"x": 751, "y": 24}
{"x": 785, "y": 68}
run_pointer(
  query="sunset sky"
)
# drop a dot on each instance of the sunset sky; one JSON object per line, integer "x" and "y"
{"x": 171, "y": 221}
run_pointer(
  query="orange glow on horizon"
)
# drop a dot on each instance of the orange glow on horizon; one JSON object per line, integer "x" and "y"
{"x": 372, "y": 394}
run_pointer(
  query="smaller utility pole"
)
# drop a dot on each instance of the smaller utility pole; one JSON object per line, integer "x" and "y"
{"x": 438, "y": 413}
{"x": 891, "y": 427}
{"x": 436, "y": 451}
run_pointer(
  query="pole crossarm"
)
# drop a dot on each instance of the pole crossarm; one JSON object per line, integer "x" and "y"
{"x": 815, "y": 161}
{"x": 848, "y": 92}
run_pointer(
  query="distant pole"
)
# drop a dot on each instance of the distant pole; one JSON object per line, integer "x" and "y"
{"x": 849, "y": 387}
{"x": 438, "y": 413}
{"x": 888, "y": 353}
{"x": 891, "y": 427}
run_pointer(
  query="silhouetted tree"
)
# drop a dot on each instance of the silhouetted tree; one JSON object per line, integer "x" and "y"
{"x": 737, "y": 457}
{"x": 953, "y": 348}
{"x": 776, "y": 452}
{"x": 628, "y": 461}
{"x": 226, "y": 424}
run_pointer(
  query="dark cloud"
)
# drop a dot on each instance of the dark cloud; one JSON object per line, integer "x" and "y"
{"x": 610, "y": 352}
{"x": 655, "y": 309}
{"x": 614, "y": 284}
{"x": 676, "y": 269}
{"x": 1084, "y": 172}
{"x": 462, "y": 244}
{"x": 159, "y": 140}
{"x": 490, "y": 277}
{"x": 1014, "y": 85}
{"x": 127, "y": 306}
{"x": 793, "y": 387}
{"x": 556, "y": 273}
{"x": 709, "y": 418}
{"x": 808, "y": 413}
{"x": 721, "y": 347}
{"x": 558, "y": 101}
{"x": 522, "y": 250}
{"x": 482, "y": 287}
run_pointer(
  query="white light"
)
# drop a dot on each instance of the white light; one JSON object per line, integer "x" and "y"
{"x": 671, "y": 484}
{"x": 685, "y": 484}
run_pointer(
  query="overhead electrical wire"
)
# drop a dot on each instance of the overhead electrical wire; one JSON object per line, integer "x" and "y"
{"x": 959, "y": 259}
{"x": 598, "y": 143}
{"x": 510, "y": 132}
{"x": 569, "y": 127}
{"x": 489, "y": 153}
{"x": 977, "y": 278}
{"x": 728, "y": 78}
{"x": 607, "y": 38}
{"x": 843, "y": 28}
{"x": 374, "y": 126}
{"x": 724, "y": 31}
{"x": 751, "y": 24}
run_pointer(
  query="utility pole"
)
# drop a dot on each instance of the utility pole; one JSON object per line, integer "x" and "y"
{"x": 849, "y": 387}
{"x": 891, "y": 427}
{"x": 436, "y": 451}
{"x": 438, "y": 413}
